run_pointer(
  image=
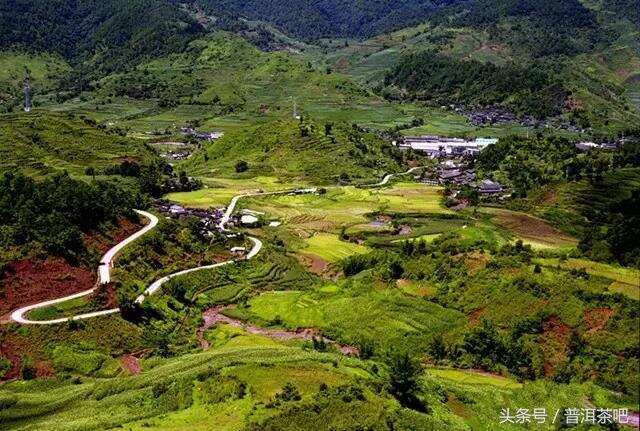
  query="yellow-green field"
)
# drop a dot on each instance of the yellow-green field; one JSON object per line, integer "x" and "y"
{"x": 348, "y": 205}
{"x": 624, "y": 280}
{"x": 340, "y": 206}
{"x": 330, "y": 248}
{"x": 470, "y": 377}
{"x": 219, "y": 191}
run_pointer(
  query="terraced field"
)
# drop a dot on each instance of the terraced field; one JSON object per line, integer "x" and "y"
{"x": 168, "y": 385}
{"x": 623, "y": 280}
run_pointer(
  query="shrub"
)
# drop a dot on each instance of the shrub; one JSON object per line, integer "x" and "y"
{"x": 5, "y": 366}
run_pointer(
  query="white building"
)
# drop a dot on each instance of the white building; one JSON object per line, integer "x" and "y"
{"x": 436, "y": 145}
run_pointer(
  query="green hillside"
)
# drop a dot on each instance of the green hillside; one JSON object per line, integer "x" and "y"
{"x": 44, "y": 71}
{"x": 41, "y": 143}
{"x": 306, "y": 150}
{"x": 376, "y": 288}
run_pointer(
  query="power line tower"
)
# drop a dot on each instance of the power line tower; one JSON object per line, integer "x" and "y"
{"x": 27, "y": 93}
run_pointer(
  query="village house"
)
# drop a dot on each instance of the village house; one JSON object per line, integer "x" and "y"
{"x": 488, "y": 187}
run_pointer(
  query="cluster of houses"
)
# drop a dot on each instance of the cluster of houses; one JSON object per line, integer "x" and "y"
{"x": 454, "y": 168}
{"x": 493, "y": 115}
{"x": 587, "y": 146}
{"x": 176, "y": 154}
{"x": 201, "y": 136}
{"x": 439, "y": 146}
{"x": 458, "y": 173}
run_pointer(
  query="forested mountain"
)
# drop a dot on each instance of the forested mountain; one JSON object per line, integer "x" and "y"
{"x": 311, "y": 19}
{"x": 538, "y": 27}
{"x": 112, "y": 34}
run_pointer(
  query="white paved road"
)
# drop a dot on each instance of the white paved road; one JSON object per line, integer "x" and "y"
{"x": 106, "y": 263}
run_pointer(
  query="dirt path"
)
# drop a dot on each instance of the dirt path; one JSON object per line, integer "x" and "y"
{"x": 214, "y": 315}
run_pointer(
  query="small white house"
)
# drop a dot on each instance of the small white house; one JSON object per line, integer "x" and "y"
{"x": 249, "y": 220}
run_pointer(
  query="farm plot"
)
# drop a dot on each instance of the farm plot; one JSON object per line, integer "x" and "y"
{"x": 624, "y": 280}
{"x": 330, "y": 248}
{"x": 534, "y": 231}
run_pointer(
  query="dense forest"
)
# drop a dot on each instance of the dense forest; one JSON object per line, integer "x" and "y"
{"x": 430, "y": 76}
{"x": 534, "y": 27}
{"x": 311, "y": 20}
{"x": 112, "y": 35}
{"x": 56, "y": 211}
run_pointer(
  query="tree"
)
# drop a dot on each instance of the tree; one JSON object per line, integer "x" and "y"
{"x": 404, "y": 372}
{"x": 90, "y": 172}
{"x": 289, "y": 393}
{"x": 241, "y": 166}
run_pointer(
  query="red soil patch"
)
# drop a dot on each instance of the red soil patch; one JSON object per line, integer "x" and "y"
{"x": 475, "y": 315}
{"x": 341, "y": 65}
{"x": 102, "y": 242}
{"x": 131, "y": 364}
{"x": 554, "y": 341}
{"x": 27, "y": 281}
{"x": 572, "y": 104}
{"x": 213, "y": 316}
{"x": 550, "y": 197}
{"x": 317, "y": 265}
{"x": 44, "y": 369}
{"x": 532, "y": 228}
{"x": 597, "y": 318}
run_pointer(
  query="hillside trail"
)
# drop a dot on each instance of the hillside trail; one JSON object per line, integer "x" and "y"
{"x": 214, "y": 316}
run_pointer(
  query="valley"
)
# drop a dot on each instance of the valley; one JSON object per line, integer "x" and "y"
{"x": 402, "y": 215}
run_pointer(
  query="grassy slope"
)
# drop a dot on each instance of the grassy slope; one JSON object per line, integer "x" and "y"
{"x": 569, "y": 205}
{"x": 279, "y": 149}
{"x": 40, "y": 143}
{"x": 44, "y": 70}
{"x": 197, "y": 391}
{"x": 226, "y": 83}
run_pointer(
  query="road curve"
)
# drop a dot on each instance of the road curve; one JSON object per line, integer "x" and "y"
{"x": 104, "y": 276}
{"x": 106, "y": 263}
{"x": 388, "y": 177}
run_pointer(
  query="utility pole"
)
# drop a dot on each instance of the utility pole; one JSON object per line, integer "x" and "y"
{"x": 296, "y": 115}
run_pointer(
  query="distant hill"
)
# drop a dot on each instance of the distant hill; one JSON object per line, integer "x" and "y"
{"x": 108, "y": 34}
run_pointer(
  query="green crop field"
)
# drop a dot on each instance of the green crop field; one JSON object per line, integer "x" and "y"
{"x": 330, "y": 248}
{"x": 472, "y": 378}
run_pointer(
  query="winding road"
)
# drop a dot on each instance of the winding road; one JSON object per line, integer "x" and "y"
{"x": 106, "y": 263}
{"x": 104, "y": 272}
